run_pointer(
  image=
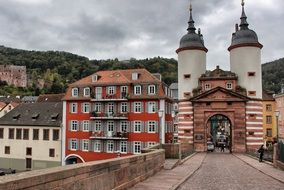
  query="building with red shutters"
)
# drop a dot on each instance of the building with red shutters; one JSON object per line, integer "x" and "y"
{"x": 115, "y": 113}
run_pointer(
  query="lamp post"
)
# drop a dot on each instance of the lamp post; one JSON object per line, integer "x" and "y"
{"x": 161, "y": 129}
{"x": 277, "y": 113}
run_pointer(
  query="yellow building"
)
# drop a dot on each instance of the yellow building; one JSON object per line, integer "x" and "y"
{"x": 269, "y": 119}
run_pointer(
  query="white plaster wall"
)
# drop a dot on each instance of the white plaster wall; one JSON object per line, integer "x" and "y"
{"x": 191, "y": 62}
{"x": 6, "y": 109}
{"x": 244, "y": 60}
{"x": 40, "y": 148}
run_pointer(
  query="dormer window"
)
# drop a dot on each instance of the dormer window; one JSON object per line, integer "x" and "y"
{"x": 95, "y": 78}
{"x": 87, "y": 92}
{"x": 135, "y": 76}
{"x": 207, "y": 86}
{"x": 54, "y": 116}
{"x": 151, "y": 89}
{"x": 229, "y": 85}
{"x": 137, "y": 90}
{"x": 16, "y": 116}
{"x": 75, "y": 92}
{"x": 35, "y": 116}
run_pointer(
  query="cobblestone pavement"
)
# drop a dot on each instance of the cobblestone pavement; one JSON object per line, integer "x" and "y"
{"x": 225, "y": 171}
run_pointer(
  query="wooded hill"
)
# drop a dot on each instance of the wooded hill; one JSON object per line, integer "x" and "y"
{"x": 58, "y": 69}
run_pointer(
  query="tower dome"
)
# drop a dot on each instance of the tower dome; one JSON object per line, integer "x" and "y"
{"x": 243, "y": 35}
{"x": 192, "y": 40}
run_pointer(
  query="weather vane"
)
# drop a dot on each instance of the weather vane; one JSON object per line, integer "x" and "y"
{"x": 190, "y": 5}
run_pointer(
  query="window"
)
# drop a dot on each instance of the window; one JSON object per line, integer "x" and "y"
{"x": 7, "y": 149}
{"x": 252, "y": 93}
{"x": 269, "y": 132}
{"x": 28, "y": 151}
{"x": 87, "y": 92}
{"x": 86, "y": 125}
{"x": 74, "y": 125}
{"x": 110, "y": 146}
{"x": 1, "y": 133}
{"x": 18, "y": 133}
{"x": 46, "y": 134}
{"x": 137, "y": 126}
{"x": 10, "y": 107}
{"x": 51, "y": 152}
{"x": 251, "y": 74}
{"x": 137, "y": 107}
{"x": 11, "y": 133}
{"x": 85, "y": 145}
{"x": 75, "y": 92}
{"x": 152, "y": 107}
{"x": 86, "y": 108}
{"x": 35, "y": 134}
{"x": 150, "y": 144}
{"x": 134, "y": 76}
{"x": 111, "y": 90}
{"x": 268, "y": 107}
{"x": 123, "y": 107}
{"x": 97, "y": 146}
{"x": 268, "y": 119}
{"x": 98, "y": 125}
{"x": 124, "y": 91}
{"x": 207, "y": 86}
{"x": 229, "y": 85}
{"x": 110, "y": 126}
{"x": 152, "y": 126}
{"x": 55, "y": 135}
{"x": 137, "y": 90}
{"x": 73, "y": 107}
{"x": 123, "y": 126}
{"x": 98, "y": 107}
{"x": 123, "y": 146}
{"x": 186, "y": 76}
{"x": 98, "y": 94}
{"x": 74, "y": 144}
{"x": 26, "y": 134}
{"x": 137, "y": 148}
{"x": 94, "y": 78}
{"x": 151, "y": 89}
{"x": 110, "y": 108}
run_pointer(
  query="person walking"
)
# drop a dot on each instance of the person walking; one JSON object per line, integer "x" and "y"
{"x": 261, "y": 152}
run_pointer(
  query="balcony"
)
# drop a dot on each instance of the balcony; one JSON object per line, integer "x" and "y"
{"x": 96, "y": 115}
{"x": 109, "y": 135}
{"x": 108, "y": 97}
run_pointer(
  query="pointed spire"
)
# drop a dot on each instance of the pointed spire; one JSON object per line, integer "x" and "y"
{"x": 244, "y": 24}
{"x": 191, "y": 28}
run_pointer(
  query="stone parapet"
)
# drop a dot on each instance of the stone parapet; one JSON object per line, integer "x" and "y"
{"x": 118, "y": 173}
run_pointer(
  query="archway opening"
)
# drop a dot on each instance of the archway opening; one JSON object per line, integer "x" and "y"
{"x": 73, "y": 159}
{"x": 219, "y": 133}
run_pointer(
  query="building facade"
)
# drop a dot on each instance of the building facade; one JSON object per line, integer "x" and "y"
{"x": 14, "y": 75}
{"x": 115, "y": 113}
{"x": 220, "y": 105}
{"x": 279, "y": 99}
{"x": 30, "y": 136}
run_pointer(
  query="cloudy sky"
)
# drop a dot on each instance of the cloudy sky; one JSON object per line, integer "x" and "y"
{"x": 102, "y": 29}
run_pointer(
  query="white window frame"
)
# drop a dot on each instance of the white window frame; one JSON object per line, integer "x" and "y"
{"x": 137, "y": 147}
{"x": 134, "y": 76}
{"x": 74, "y": 144}
{"x": 207, "y": 86}
{"x": 123, "y": 126}
{"x": 74, "y": 107}
{"x": 94, "y": 78}
{"x": 123, "y": 107}
{"x": 137, "y": 125}
{"x": 110, "y": 146}
{"x": 85, "y": 145}
{"x": 152, "y": 107}
{"x": 152, "y": 89}
{"x": 98, "y": 125}
{"x": 86, "y": 107}
{"x": 86, "y": 125}
{"x": 229, "y": 84}
{"x": 97, "y": 107}
{"x": 110, "y": 108}
{"x": 110, "y": 126}
{"x": 87, "y": 92}
{"x": 137, "y": 90}
{"x": 97, "y": 146}
{"x": 74, "y": 125}
{"x": 75, "y": 92}
{"x": 110, "y": 90}
{"x": 152, "y": 126}
{"x": 137, "y": 107}
{"x": 123, "y": 89}
{"x": 123, "y": 147}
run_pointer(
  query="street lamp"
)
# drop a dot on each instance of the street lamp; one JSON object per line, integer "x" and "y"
{"x": 277, "y": 113}
{"x": 161, "y": 129}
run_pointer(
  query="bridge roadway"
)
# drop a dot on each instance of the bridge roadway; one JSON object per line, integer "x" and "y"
{"x": 216, "y": 171}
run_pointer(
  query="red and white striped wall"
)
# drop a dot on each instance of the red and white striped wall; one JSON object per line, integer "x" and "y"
{"x": 185, "y": 122}
{"x": 254, "y": 124}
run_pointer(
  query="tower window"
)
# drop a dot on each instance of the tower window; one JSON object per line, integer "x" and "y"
{"x": 229, "y": 85}
{"x": 251, "y": 74}
{"x": 186, "y": 76}
{"x": 207, "y": 86}
{"x": 252, "y": 93}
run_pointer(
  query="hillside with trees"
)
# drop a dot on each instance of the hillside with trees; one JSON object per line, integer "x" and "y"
{"x": 56, "y": 69}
